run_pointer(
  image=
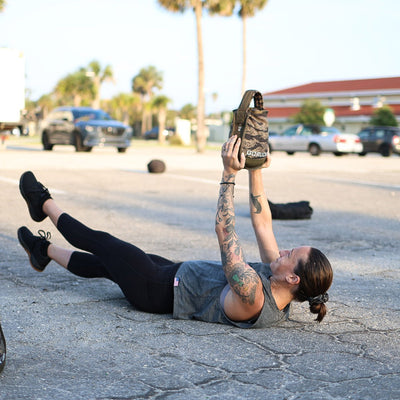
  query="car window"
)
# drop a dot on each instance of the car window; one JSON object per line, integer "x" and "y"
{"x": 329, "y": 129}
{"x": 56, "y": 115}
{"x": 364, "y": 134}
{"x": 99, "y": 114}
{"x": 52, "y": 115}
{"x": 83, "y": 117}
{"x": 89, "y": 115}
{"x": 66, "y": 116}
{"x": 306, "y": 131}
{"x": 379, "y": 133}
{"x": 290, "y": 131}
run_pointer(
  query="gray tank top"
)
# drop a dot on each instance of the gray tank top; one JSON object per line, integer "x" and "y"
{"x": 200, "y": 288}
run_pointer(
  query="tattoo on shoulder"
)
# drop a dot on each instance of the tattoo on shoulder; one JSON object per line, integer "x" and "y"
{"x": 244, "y": 281}
{"x": 256, "y": 203}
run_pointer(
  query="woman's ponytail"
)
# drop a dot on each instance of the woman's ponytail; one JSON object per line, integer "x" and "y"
{"x": 316, "y": 277}
{"x": 319, "y": 309}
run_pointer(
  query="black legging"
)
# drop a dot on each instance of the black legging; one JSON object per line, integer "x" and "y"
{"x": 145, "y": 279}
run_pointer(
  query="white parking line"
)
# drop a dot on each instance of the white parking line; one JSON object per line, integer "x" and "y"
{"x": 16, "y": 183}
{"x": 361, "y": 183}
{"x": 9, "y": 180}
{"x": 243, "y": 187}
{"x": 201, "y": 180}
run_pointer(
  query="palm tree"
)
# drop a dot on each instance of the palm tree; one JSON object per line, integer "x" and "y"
{"x": 221, "y": 7}
{"x": 45, "y": 103}
{"x": 160, "y": 104}
{"x": 188, "y": 111}
{"x": 197, "y": 7}
{"x": 144, "y": 84}
{"x": 248, "y": 8}
{"x": 75, "y": 87}
{"x": 123, "y": 106}
{"x": 99, "y": 76}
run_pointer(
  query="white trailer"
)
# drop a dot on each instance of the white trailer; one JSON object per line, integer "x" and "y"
{"x": 12, "y": 88}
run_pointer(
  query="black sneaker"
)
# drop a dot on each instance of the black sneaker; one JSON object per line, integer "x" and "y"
{"x": 36, "y": 247}
{"x": 35, "y": 194}
{"x": 3, "y": 350}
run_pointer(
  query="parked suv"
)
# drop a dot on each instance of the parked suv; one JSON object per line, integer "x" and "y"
{"x": 380, "y": 139}
{"x": 84, "y": 127}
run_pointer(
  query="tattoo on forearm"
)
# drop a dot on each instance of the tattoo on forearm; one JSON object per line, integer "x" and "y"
{"x": 241, "y": 277}
{"x": 256, "y": 203}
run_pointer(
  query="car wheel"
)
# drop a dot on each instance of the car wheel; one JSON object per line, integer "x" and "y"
{"x": 337, "y": 153}
{"x": 290, "y": 153}
{"x": 386, "y": 150}
{"x": 362, "y": 154}
{"x": 121, "y": 149}
{"x": 314, "y": 149}
{"x": 45, "y": 141}
{"x": 79, "y": 143}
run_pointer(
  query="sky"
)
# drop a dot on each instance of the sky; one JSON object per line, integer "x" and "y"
{"x": 290, "y": 43}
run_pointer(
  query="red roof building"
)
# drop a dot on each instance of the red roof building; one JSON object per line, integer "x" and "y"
{"x": 352, "y": 101}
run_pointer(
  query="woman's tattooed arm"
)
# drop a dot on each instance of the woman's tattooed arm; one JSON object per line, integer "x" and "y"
{"x": 242, "y": 279}
{"x": 261, "y": 218}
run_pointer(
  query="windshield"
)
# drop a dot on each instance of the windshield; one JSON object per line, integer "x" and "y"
{"x": 88, "y": 115}
{"x": 329, "y": 129}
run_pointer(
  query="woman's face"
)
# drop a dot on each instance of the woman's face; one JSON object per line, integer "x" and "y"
{"x": 288, "y": 260}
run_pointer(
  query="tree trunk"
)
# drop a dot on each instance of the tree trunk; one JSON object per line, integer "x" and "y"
{"x": 126, "y": 117}
{"x": 146, "y": 120}
{"x": 162, "y": 116}
{"x": 97, "y": 85}
{"x": 201, "y": 137}
{"x": 244, "y": 20}
{"x": 77, "y": 100}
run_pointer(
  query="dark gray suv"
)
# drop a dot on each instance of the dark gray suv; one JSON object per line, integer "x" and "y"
{"x": 84, "y": 127}
{"x": 380, "y": 139}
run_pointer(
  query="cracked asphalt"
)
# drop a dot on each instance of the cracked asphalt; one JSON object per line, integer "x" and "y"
{"x": 71, "y": 338}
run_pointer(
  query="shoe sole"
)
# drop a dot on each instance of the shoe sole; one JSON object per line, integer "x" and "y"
{"x": 32, "y": 214}
{"x": 32, "y": 260}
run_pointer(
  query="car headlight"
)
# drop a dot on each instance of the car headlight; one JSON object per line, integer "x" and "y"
{"x": 89, "y": 128}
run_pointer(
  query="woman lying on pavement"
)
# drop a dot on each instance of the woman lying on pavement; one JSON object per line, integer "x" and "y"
{"x": 247, "y": 295}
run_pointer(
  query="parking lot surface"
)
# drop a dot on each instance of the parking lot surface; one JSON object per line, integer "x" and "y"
{"x": 71, "y": 338}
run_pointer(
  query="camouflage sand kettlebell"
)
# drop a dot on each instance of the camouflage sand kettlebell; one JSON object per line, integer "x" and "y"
{"x": 251, "y": 125}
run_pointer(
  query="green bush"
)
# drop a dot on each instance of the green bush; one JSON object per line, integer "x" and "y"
{"x": 175, "y": 140}
{"x": 383, "y": 117}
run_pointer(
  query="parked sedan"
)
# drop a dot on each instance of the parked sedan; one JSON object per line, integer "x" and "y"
{"x": 380, "y": 139}
{"x": 84, "y": 127}
{"x": 152, "y": 134}
{"x": 315, "y": 140}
